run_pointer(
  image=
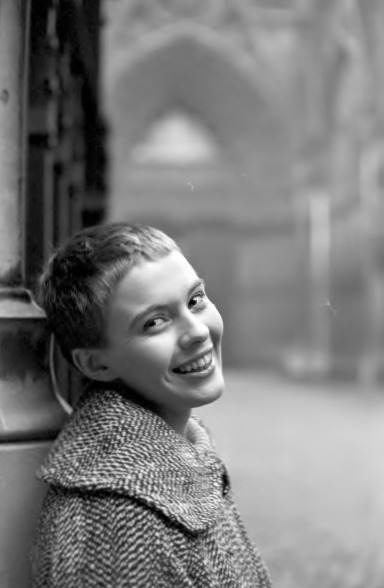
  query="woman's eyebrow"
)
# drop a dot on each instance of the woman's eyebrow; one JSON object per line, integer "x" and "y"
{"x": 148, "y": 310}
{"x": 198, "y": 283}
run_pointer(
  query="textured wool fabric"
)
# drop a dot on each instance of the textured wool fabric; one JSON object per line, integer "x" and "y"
{"x": 133, "y": 504}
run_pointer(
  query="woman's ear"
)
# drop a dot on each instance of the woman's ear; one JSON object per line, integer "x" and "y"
{"x": 91, "y": 363}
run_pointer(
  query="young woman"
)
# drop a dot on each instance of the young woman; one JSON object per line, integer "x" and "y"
{"x": 138, "y": 497}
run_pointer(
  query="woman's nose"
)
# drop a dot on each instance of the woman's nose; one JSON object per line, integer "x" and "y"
{"x": 194, "y": 331}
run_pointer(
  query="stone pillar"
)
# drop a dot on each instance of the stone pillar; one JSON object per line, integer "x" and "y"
{"x": 371, "y": 366}
{"x": 321, "y": 309}
{"x": 12, "y": 115}
{"x": 30, "y": 416}
{"x": 313, "y": 205}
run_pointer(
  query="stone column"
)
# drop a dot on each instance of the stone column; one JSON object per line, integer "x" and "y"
{"x": 313, "y": 206}
{"x": 371, "y": 366}
{"x": 30, "y": 416}
{"x": 12, "y": 116}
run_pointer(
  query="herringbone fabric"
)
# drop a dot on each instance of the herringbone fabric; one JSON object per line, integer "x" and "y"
{"x": 133, "y": 504}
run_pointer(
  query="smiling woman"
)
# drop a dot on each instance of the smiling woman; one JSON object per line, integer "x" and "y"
{"x": 161, "y": 324}
{"x": 138, "y": 496}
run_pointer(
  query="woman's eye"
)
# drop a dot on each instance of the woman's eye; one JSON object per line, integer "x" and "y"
{"x": 198, "y": 300}
{"x": 154, "y": 323}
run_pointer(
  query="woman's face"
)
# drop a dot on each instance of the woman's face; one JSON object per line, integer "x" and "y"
{"x": 164, "y": 336}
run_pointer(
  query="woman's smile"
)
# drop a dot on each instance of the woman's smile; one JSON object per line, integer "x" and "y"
{"x": 164, "y": 336}
{"x": 201, "y": 364}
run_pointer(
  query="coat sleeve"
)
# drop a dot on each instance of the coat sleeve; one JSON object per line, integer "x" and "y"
{"x": 89, "y": 540}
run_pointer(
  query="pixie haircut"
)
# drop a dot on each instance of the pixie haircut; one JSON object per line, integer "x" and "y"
{"x": 81, "y": 276}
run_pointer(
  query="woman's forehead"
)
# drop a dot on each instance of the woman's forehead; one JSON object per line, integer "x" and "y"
{"x": 151, "y": 282}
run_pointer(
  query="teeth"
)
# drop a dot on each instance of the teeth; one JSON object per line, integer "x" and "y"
{"x": 198, "y": 365}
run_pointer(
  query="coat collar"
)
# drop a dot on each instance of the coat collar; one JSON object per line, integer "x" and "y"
{"x": 113, "y": 444}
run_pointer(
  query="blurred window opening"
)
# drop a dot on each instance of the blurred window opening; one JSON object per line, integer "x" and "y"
{"x": 176, "y": 139}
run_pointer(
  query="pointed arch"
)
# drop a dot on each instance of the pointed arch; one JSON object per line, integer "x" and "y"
{"x": 230, "y": 93}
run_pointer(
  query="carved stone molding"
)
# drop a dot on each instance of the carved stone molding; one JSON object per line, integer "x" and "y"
{"x": 177, "y": 9}
{"x": 135, "y": 18}
{"x": 155, "y": 13}
{"x": 233, "y": 26}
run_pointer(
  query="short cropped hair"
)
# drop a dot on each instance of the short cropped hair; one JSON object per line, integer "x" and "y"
{"x": 80, "y": 277}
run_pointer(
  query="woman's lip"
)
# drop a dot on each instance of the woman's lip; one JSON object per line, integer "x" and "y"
{"x": 203, "y": 373}
{"x": 194, "y": 359}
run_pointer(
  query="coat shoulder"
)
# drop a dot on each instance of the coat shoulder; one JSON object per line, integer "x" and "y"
{"x": 88, "y": 539}
{"x": 66, "y": 509}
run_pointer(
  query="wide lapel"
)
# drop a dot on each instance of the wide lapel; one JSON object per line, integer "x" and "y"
{"x": 113, "y": 444}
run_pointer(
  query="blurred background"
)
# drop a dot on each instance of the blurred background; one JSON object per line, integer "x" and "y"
{"x": 252, "y": 132}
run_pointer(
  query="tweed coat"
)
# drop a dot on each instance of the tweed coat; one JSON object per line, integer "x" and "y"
{"x": 131, "y": 503}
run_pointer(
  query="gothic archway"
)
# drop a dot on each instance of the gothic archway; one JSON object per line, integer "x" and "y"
{"x": 232, "y": 213}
